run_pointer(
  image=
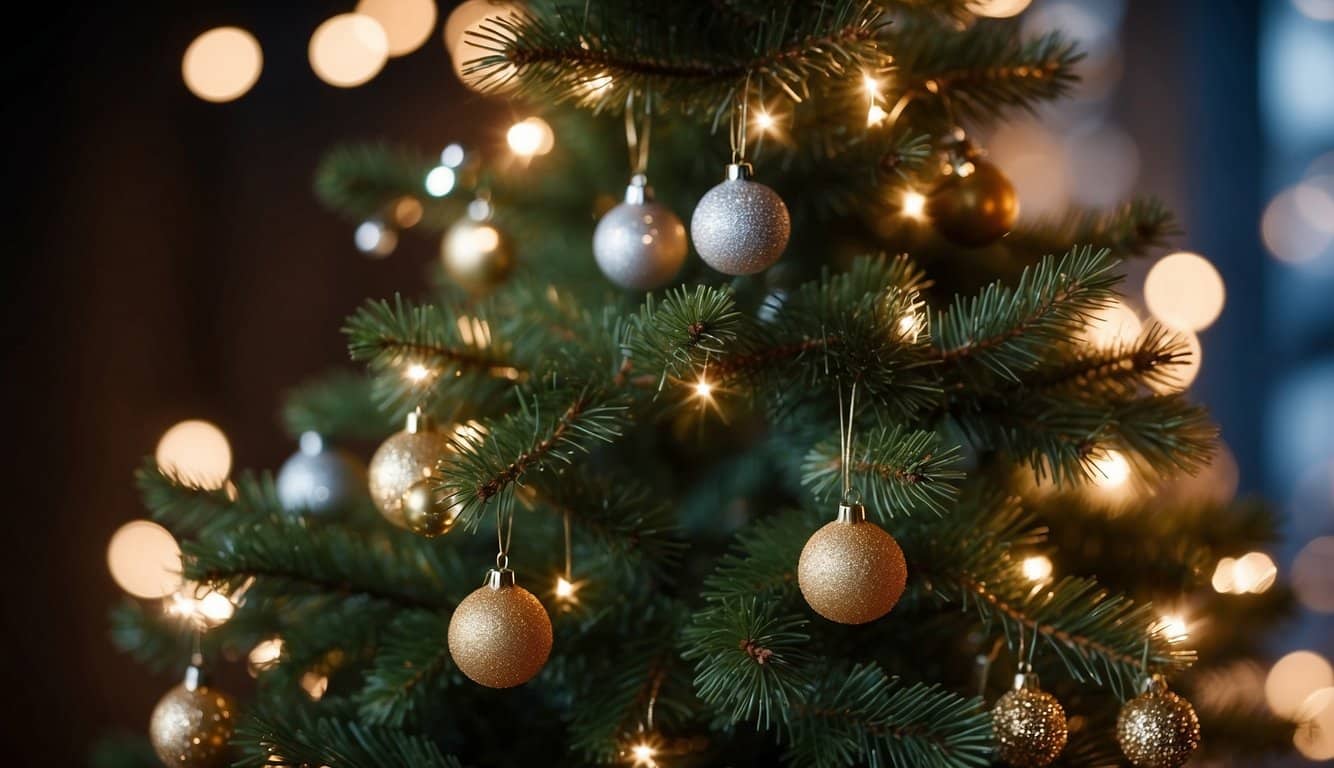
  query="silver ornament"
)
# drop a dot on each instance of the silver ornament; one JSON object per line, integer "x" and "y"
{"x": 740, "y": 227}
{"x": 640, "y": 244}
{"x": 318, "y": 480}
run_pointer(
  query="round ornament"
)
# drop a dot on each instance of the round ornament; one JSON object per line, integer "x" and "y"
{"x": 1158, "y": 729}
{"x": 973, "y": 206}
{"x": 640, "y": 244}
{"x": 850, "y": 570}
{"x": 740, "y": 227}
{"x": 318, "y": 480}
{"x": 1029, "y": 723}
{"x": 500, "y": 635}
{"x": 192, "y": 724}
{"x": 405, "y": 459}
{"x": 425, "y": 513}
{"x": 477, "y": 254}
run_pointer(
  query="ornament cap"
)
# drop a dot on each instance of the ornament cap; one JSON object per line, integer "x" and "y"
{"x": 419, "y": 421}
{"x": 851, "y": 513}
{"x": 195, "y": 674}
{"x": 638, "y": 192}
{"x": 1025, "y": 678}
{"x": 499, "y": 578}
{"x": 738, "y": 171}
{"x": 1154, "y": 684}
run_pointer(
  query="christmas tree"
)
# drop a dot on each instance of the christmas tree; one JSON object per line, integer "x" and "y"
{"x": 861, "y": 478}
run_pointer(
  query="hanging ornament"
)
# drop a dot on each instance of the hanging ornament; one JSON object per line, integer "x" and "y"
{"x": 404, "y": 460}
{"x": 477, "y": 254}
{"x": 1158, "y": 729}
{"x": 426, "y": 513}
{"x": 192, "y": 723}
{"x": 318, "y": 480}
{"x": 973, "y": 204}
{"x": 740, "y": 227}
{"x": 500, "y": 635}
{"x": 1029, "y": 723}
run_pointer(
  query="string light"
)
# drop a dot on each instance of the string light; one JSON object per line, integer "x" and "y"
{"x": 1110, "y": 470}
{"x": 1173, "y": 628}
{"x": 440, "y": 181}
{"x": 909, "y": 326}
{"x": 416, "y": 372}
{"x": 703, "y": 388}
{"x": 871, "y": 85}
{"x": 1253, "y": 573}
{"x": 264, "y": 656}
{"x": 643, "y": 754}
{"x": 1294, "y": 678}
{"x": 913, "y": 205}
{"x": 875, "y": 115}
{"x": 407, "y": 23}
{"x": 1183, "y": 290}
{"x": 763, "y": 120}
{"x": 530, "y": 137}
{"x": 452, "y": 156}
{"x": 372, "y": 237}
{"x": 1037, "y": 568}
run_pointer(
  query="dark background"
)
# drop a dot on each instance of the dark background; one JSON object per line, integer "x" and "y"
{"x": 173, "y": 263}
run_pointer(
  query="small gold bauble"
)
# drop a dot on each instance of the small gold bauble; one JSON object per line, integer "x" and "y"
{"x": 477, "y": 255}
{"x": 406, "y": 458}
{"x": 191, "y": 728}
{"x": 425, "y": 513}
{"x": 850, "y": 570}
{"x": 1030, "y": 725}
{"x": 500, "y": 635}
{"x": 1158, "y": 729}
{"x": 974, "y": 209}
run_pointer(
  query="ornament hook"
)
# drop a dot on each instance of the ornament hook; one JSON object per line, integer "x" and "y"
{"x": 638, "y": 127}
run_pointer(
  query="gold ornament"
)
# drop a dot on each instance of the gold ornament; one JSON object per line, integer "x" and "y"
{"x": 500, "y": 635}
{"x": 425, "y": 514}
{"x": 975, "y": 205}
{"x": 477, "y": 254}
{"x": 1029, "y": 723}
{"x": 402, "y": 461}
{"x": 850, "y": 570}
{"x": 192, "y": 724}
{"x": 1158, "y": 729}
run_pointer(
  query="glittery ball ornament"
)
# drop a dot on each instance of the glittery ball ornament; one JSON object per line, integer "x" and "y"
{"x": 191, "y": 725}
{"x": 476, "y": 253}
{"x": 740, "y": 227}
{"x": 850, "y": 570}
{"x": 1158, "y": 729}
{"x": 426, "y": 513}
{"x": 402, "y": 461}
{"x": 640, "y": 244}
{"x": 1029, "y": 723}
{"x": 500, "y": 635}
{"x": 974, "y": 206}
{"x": 318, "y": 480}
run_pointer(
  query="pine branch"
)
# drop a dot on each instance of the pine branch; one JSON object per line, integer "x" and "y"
{"x": 1135, "y": 228}
{"x": 268, "y": 738}
{"x": 902, "y": 471}
{"x": 681, "y": 332}
{"x": 188, "y": 509}
{"x": 408, "y": 671}
{"x": 1122, "y": 370}
{"x": 361, "y": 181}
{"x": 689, "y": 58}
{"x": 338, "y": 406}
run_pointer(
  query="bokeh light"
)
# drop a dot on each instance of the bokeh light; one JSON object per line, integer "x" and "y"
{"x": 407, "y": 211}
{"x": 348, "y": 50}
{"x": 452, "y": 156}
{"x": 144, "y": 560}
{"x": 1254, "y": 572}
{"x": 1313, "y": 575}
{"x": 1037, "y": 568}
{"x": 264, "y": 656}
{"x": 1316, "y": 10}
{"x": 440, "y": 181}
{"x": 913, "y": 204}
{"x": 1223, "y": 581}
{"x": 1182, "y": 373}
{"x": 373, "y": 238}
{"x": 1298, "y": 224}
{"x": 471, "y": 16}
{"x": 407, "y": 23}
{"x": 998, "y": 9}
{"x": 1314, "y": 737}
{"x": 1110, "y": 469}
{"x": 1183, "y": 290}
{"x": 195, "y": 452}
{"x": 1112, "y": 325}
{"x": 222, "y": 64}
{"x": 1295, "y": 677}
{"x": 530, "y": 137}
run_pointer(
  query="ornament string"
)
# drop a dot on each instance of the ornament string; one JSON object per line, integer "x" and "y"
{"x": 850, "y": 494}
{"x": 504, "y": 530}
{"x": 568, "y": 555}
{"x": 637, "y": 129}
{"x": 737, "y": 127}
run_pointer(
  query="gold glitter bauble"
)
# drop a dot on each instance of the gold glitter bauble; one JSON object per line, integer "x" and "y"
{"x": 976, "y": 209}
{"x": 851, "y": 571}
{"x": 427, "y": 514}
{"x": 191, "y": 728}
{"x": 1030, "y": 727}
{"x": 1158, "y": 729}
{"x": 405, "y": 459}
{"x": 477, "y": 255}
{"x": 500, "y": 635}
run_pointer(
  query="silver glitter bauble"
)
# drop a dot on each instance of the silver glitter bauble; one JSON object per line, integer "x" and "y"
{"x": 1029, "y": 723}
{"x": 1158, "y": 729}
{"x": 318, "y": 480}
{"x": 740, "y": 227}
{"x": 640, "y": 244}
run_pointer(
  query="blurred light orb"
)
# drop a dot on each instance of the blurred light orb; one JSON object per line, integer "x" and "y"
{"x": 222, "y": 64}
{"x": 407, "y": 23}
{"x": 1313, "y": 575}
{"x": 452, "y": 156}
{"x": 144, "y": 560}
{"x": 1314, "y": 738}
{"x": 875, "y": 115}
{"x": 1183, "y": 290}
{"x": 1037, "y": 568}
{"x": 315, "y": 684}
{"x": 1035, "y": 160}
{"x": 998, "y": 9}
{"x": 1110, "y": 469}
{"x": 348, "y": 50}
{"x": 373, "y": 238}
{"x": 1253, "y": 572}
{"x": 195, "y": 452}
{"x": 463, "y": 48}
{"x": 202, "y": 605}
{"x": 530, "y": 137}
{"x": 1107, "y": 154}
{"x": 440, "y": 181}
{"x": 1295, "y": 677}
{"x": 1298, "y": 224}
{"x": 1173, "y": 627}
{"x": 1183, "y": 372}
{"x": 1223, "y": 581}
{"x": 265, "y": 655}
{"x": 1316, "y": 10}
{"x": 407, "y": 211}
{"x": 1113, "y": 325}
{"x": 913, "y": 205}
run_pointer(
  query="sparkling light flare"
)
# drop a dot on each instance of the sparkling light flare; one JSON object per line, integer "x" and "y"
{"x": 1037, "y": 568}
{"x": 1173, "y": 627}
{"x": 913, "y": 205}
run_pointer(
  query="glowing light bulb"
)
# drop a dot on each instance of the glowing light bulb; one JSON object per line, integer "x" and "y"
{"x": 440, "y": 181}
{"x": 195, "y": 452}
{"x": 416, "y": 372}
{"x": 348, "y": 50}
{"x": 913, "y": 205}
{"x": 222, "y": 64}
{"x": 1253, "y": 572}
{"x": 1110, "y": 470}
{"x": 565, "y": 589}
{"x": 1173, "y": 627}
{"x": 1223, "y": 580}
{"x": 763, "y": 120}
{"x": 530, "y": 137}
{"x": 643, "y": 754}
{"x": 875, "y": 115}
{"x": 703, "y": 388}
{"x": 265, "y": 655}
{"x": 144, "y": 559}
{"x": 998, "y": 9}
{"x": 909, "y": 326}
{"x": 1037, "y": 568}
{"x": 315, "y": 685}
{"x": 871, "y": 85}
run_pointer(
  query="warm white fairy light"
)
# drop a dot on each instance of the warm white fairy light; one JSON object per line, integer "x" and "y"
{"x": 265, "y": 655}
{"x": 703, "y": 388}
{"x": 1110, "y": 470}
{"x": 913, "y": 204}
{"x": 315, "y": 684}
{"x": 909, "y": 326}
{"x": 763, "y": 120}
{"x": 1037, "y": 568}
{"x": 643, "y": 754}
{"x": 1223, "y": 580}
{"x": 875, "y": 115}
{"x": 222, "y": 64}
{"x": 416, "y": 372}
{"x": 1253, "y": 572}
{"x": 440, "y": 181}
{"x": 201, "y": 605}
{"x": 530, "y": 137}
{"x": 564, "y": 588}
{"x": 1173, "y": 627}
